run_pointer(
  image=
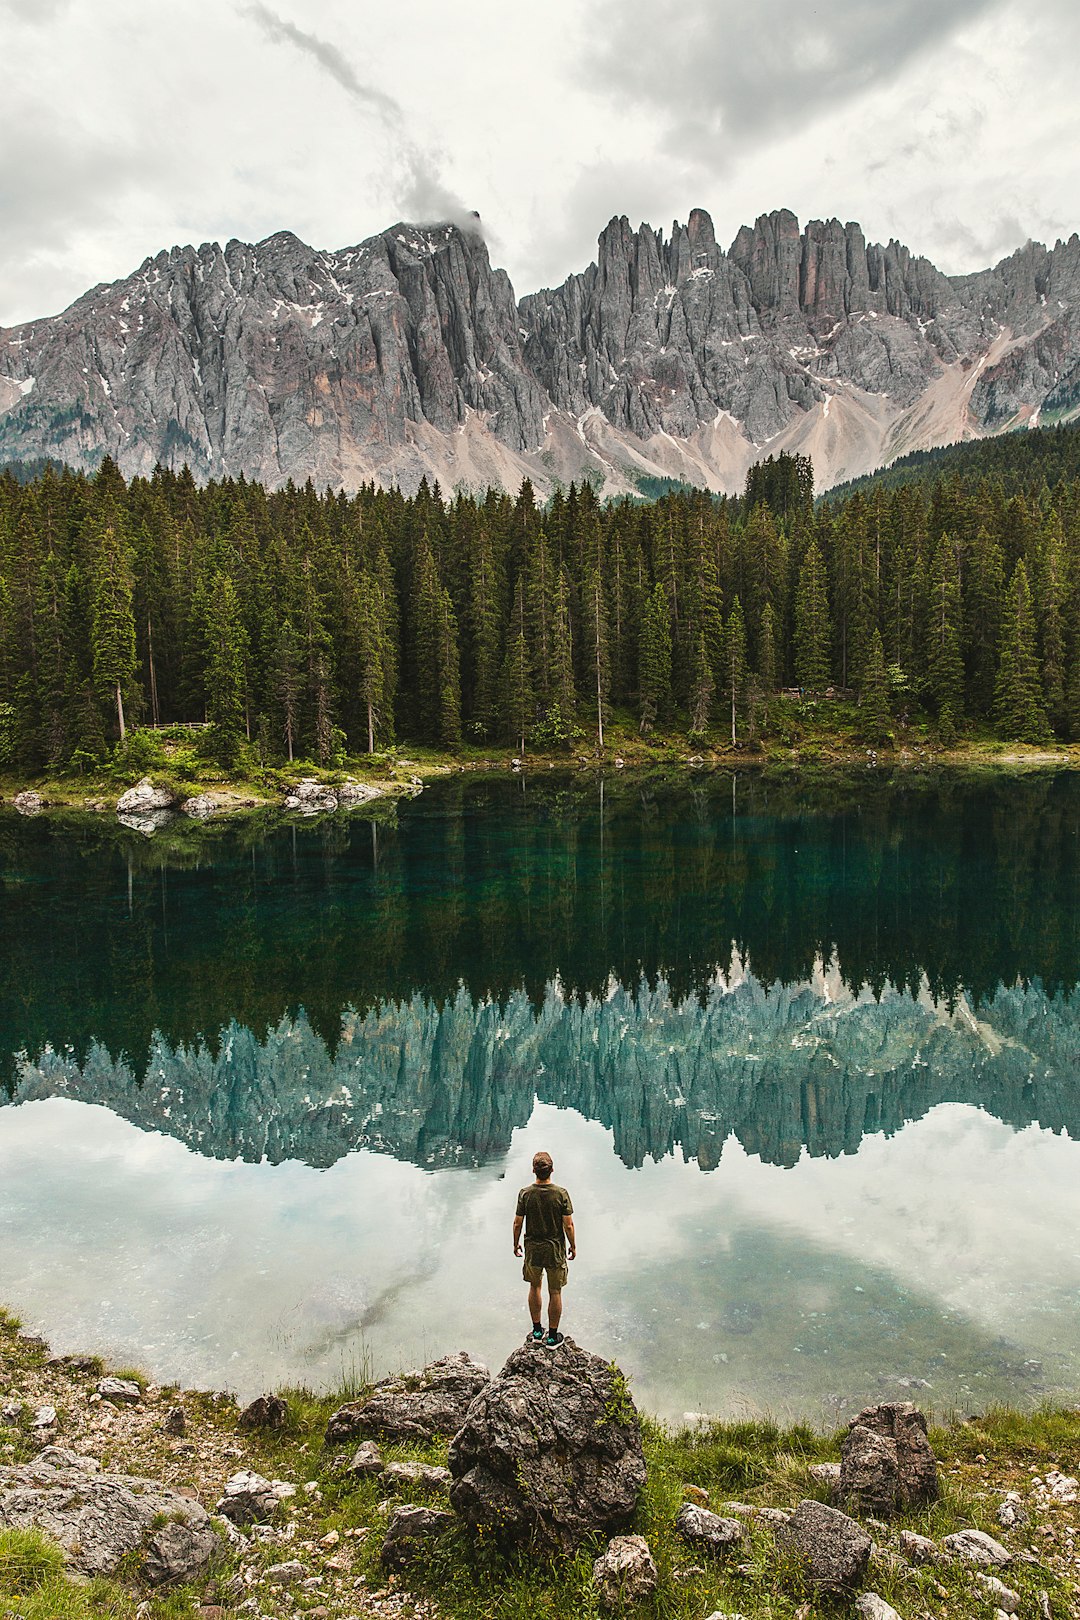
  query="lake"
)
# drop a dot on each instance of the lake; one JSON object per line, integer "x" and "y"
{"x": 807, "y": 1057}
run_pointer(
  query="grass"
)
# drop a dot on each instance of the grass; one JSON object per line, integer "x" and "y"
{"x": 338, "y": 1526}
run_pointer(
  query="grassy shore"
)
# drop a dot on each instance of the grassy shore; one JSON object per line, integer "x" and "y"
{"x": 805, "y": 737}
{"x": 334, "y": 1525}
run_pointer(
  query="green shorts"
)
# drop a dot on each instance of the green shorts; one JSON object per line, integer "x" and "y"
{"x": 556, "y": 1275}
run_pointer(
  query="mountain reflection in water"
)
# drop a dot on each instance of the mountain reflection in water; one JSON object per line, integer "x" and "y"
{"x": 784, "y": 1068}
{"x": 797, "y": 965}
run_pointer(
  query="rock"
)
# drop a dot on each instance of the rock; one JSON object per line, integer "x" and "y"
{"x": 264, "y": 1412}
{"x": 367, "y": 1460}
{"x": 893, "y": 1562}
{"x": 175, "y": 1421}
{"x": 406, "y": 1475}
{"x": 707, "y": 1532}
{"x": 248, "y": 1497}
{"x": 550, "y": 1451}
{"x": 310, "y": 797}
{"x": 143, "y": 798}
{"x": 920, "y": 1549}
{"x": 1062, "y": 1487}
{"x": 120, "y": 1391}
{"x": 750, "y": 1510}
{"x": 827, "y": 1475}
{"x": 1006, "y": 1599}
{"x": 28, "y": 803}
{"x": 416, "y": 1406}
{"x": 352, "y": 792}
{"x": 409, "y": 1533}
{"x": 977, "y": 1547}
{"x": 872, "y": 1607}
{"x": 179, "y": 1552}
{"x": 100, "y": 1518}
{"x": 1012, "y": 1512}
{"x": 886, "y": 1464}
{"x": 147, "y": 823}
{"x": 833, "y": 1550}
{"x": 286, "y": 1574}
{"x": 201, "y": 806}
{"x": 694, "y": 1493}
{"x": 44, "y": 1418}
{"x": 11, "y": 1413}
{"x": 625, "y": 1572}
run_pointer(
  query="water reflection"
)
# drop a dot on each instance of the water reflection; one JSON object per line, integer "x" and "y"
{"x": 784, "y": 1068}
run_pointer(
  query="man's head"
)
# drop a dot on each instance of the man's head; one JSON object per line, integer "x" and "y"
{"x": 542, "y": 1166}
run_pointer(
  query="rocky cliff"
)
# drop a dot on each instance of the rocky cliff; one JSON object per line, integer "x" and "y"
{"x": 407, "y": 355}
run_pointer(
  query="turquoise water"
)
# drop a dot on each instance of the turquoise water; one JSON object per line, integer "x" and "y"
{"x": 805, "y": 1057}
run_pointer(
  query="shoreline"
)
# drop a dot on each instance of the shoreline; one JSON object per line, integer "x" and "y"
{"x": 381, "y": 783}
{"x": 319, "y": 1551}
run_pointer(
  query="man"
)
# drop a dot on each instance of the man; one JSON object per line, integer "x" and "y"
{"x": 547, "y": 1215}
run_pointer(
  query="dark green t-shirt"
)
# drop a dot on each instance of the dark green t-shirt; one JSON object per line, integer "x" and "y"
{"x": 543, "y": 1207}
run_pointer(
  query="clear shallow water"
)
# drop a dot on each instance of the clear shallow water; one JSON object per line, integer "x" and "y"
{"x": 809, "y": 1067}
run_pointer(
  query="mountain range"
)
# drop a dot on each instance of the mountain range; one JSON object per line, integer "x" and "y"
{"x": 668, "y": 358}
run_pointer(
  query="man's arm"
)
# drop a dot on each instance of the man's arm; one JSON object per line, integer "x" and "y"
{"x": 519, "y": 1221}
{"x": 568, "y": 1229}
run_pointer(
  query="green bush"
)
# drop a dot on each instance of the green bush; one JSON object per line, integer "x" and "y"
{"x": 27, "y": 1561}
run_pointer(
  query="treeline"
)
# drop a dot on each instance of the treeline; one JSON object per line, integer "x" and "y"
{"x": 308, "y": 625}
{"x": 1020, "y": 462}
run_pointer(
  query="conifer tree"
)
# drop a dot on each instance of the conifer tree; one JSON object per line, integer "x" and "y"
{"x": 654, "y": 659}
{"x": 1018, "y": 700}
{"x": 944, "y": 664}
{"x": 813, "y": 629}
{"x": 735, "y": 665}
{"x": 702, "y": 689}
{"x": 875, "y": 719}
{"x": 112, "y": 623}
{"x": 226, "y": 676}
{"x": 517, "y": 673}
{"x": 595, "y": 651}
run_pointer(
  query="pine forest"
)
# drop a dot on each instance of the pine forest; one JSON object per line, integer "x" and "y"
{"x": 297, "y": 625}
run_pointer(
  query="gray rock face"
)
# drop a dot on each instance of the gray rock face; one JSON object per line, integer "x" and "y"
{"x": 99, "y": 1518}
{"x": 550, "y": 1451}
{"x": 707, "y": 1532}
{"x": 410, "y": 1532}
{"x": 625, "y": 1572}
{"x": 407, "y": 355}
{"x": 417, "y": 1406}
{"x": 833, "y": 1550}
{"x": 886, "y": 1464}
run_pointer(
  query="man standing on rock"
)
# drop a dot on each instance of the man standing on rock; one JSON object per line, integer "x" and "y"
{"x": 547, "y": 1215}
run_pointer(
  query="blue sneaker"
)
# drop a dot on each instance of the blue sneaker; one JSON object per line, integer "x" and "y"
{"x": 537, "y": 1334}
{"x": 552, "y": 1341}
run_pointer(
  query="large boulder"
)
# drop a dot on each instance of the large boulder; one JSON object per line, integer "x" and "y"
{"x": 977, "y": 1548}
{"x": 416, "y": 1406}
{"x": 28, "y": 803}
{"x": 886, "y": 1464}
{"x": 100, "y": 1518}
{"x": 144, "y": 798}
{"x": 310, "y": 797}
{"x": 550, "y": 1451}
{"x": 831, "y": 1549}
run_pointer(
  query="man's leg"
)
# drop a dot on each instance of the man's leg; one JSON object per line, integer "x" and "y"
{"x": 536, "y": 1302}
{"x": 554, "y": 1308}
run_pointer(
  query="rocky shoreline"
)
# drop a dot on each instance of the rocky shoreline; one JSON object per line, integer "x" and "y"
{"x": 418, "y": 1496}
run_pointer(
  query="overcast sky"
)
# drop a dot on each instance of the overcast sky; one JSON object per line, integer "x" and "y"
{"x": 130, "y": 125}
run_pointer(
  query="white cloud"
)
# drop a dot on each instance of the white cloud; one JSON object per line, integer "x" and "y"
{"x": 125, "y": 128}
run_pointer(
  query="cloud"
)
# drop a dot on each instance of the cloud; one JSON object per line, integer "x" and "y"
{"x": 724, "y": 71}
{"x": 33, "y": 11}
{"x": 281, "y": 32}
{"x": 424, "y": 197}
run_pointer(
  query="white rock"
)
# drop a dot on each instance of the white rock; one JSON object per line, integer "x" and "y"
{"x": 872, "y": 1607}
{"x": 45, "y": 1417}
{"x": 29, "y": 803}
{"x": 120, "y": 1391}
{"x": 1007, "y": 1600}
{"x": 285, "y": 1574}
{"x": 977, "y": 1547}
{"x": 1012, "y": 1511}
{"x": 353, "y": 792}
{"x": 1063, "y": 1488}
{"x": 142, "y": 797}
{"x": 202, "y": 805}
